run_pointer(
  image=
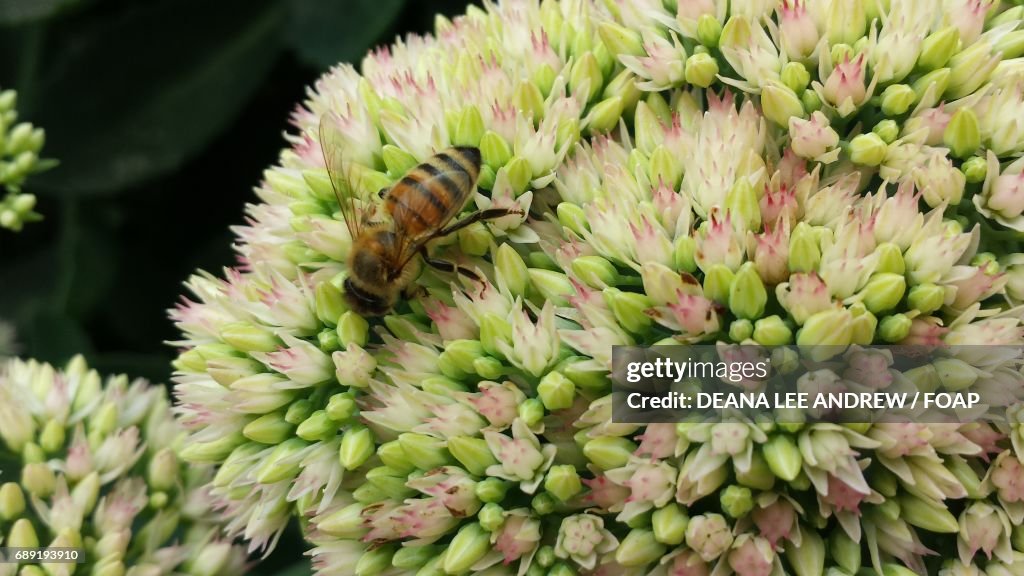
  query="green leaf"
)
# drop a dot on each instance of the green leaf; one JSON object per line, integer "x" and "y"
{"x": 14, "y": 12}
{"x": 326, "y": 32}
{"x": 131, "y": 96}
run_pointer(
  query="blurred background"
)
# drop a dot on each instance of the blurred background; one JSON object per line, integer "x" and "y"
{"x": 163, "y": 115}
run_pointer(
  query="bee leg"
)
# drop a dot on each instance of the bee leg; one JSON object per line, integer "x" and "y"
{"x": 446, "y": 266}
{"x": 414, "y": 291}
{"x": 488, "y": 214}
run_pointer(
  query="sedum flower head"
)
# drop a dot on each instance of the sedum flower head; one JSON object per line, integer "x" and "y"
{"x": 96, "y": 466}
{"x": 20, "y": 144}
{"x": 688, "y": 172}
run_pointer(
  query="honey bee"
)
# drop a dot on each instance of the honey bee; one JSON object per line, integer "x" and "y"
{"x": 420, "y": 206}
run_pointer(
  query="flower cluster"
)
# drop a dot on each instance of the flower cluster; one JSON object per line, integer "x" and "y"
{"x": 20, "y": 144}
{"x": 750, "y": 172}
{"x": 93, "y": 466}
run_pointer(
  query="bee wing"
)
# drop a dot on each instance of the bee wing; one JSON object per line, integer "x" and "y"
{"x": 340, "y": 169}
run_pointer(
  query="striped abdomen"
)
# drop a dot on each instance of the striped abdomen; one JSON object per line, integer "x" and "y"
{"x": 431, "y": 194}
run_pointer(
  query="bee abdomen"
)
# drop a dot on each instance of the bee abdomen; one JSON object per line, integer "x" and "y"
{"x": 432, "y": 193}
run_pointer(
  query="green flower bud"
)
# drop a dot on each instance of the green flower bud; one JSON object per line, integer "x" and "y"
{"x": 531, "y": 411}
{"x": 393, "y": 456}
{"x": 375, "y": 561}
{"x": 540, "y": 260}
{"x": 811, "y": 101}
{"x": 572, "y": 217}
{"x": 701, "y": 70}
{"x": 897, "y": 99}
{"x": 345, "y": 523}
{"x": 894, "y": 328}
{"x": 268, "y": 429}
{"x": 890, "y": 259}
{"x": 772, "y": 331}
{"x": 397, "y": 162}
{"x": 628, "y": 308}
{"x": 330, "y": 303}
{"x": 1011, "y": 15}
{"x": 412, "y": 557}
{"x": 796, "y": 77}
{"x": 862, "y": 325}
{"x": 783, "y": 457}
{"x": 737, "y": 501}
{"x": 342, "y": 407}
{"x": 494, "y": 329}
{"x": 966, "y": 476}
{"x": 883, "y": 291}
{"x": 669, "y": 523}
{"x": 162, "y": 471}
{"x": 595, "y": 271}
{"x": 563, "y": 482}
{"x": 938, "y": 47}
{"x": 528, "y": 98}
{"x": 209, "y": 561}
{"x": 747, "y": 294}
{"x": 556, "y": 391}
{"x": 488, "y": 368}
{"x": 467, "y": 548}
{"x": 639, "y": 548}
{"x": 519, "y": 174}
{"x": 425, "y": 452}
{"x": 356, "y": 447}
{"x": 740, "y": 330}
{"x": 867, "y": 149}
{"x": 620, "y": 40}
{"x": 709, "y": 30}
{"x": 759, "y": 476}
{"x": 545, "y": 556}
{"x": 962, "y": 135}
{"x": 38, "y": 479}
{"x": 472, "y": 453}
{"x": 605, "y": 115}
{"x": 22, "y": 535}
{"x": 887, "y": 130}
{"x": 780, "y": 103}
{"x": 353, "y": 329}
{"x": 1011, "y": 45}
{"x": 298, "y": 411}
{"x": 475, "y": 239}
{"x": 804, "y": 251}
{"x": 491, "y": 490}
{"x": 470, "y": 128}
{"x": 926, "y": 298}
{"x": 491, "y": 517}
{"x": 665, "y": 167}
{"x": 955, "y": 374}
{"x": 248, "y": 338}
{"x": 12, "y": 501}
{"x": 494, "y": 150}
{"x": 718, "y": 283}
{"x": 51, "y": 439}
{"x": 553, "y": 286}
{"x": 282, "y": 464}
{"x": 841, "y": 51}
{"x": 328, "y": 340}
{"x": 460, "y": 354}
{"x": 938, "y": 77}
{"x": 586, "y": 72}
{"x": 930, "y": 517}
{"x": 390, "y": 482}
{"x": 608, "y": 452}
{"x": 807, "y": 559}
{"x": 844, "y": 551}
{"x": 319, "y": 426}
{"x": 584, "y": 376}
{"x": 684, "y": 252}
{"x": 741, "y": 203}
{"x": 832, "y": 327}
